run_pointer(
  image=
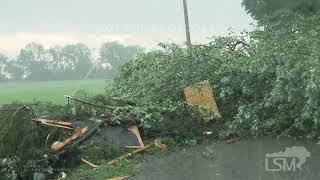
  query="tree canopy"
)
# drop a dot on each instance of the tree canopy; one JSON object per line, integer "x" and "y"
{"x": 264, "y": 81}
{"x": 261, "y": 9}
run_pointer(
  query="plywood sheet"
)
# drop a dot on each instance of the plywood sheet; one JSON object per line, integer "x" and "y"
{"x": 201, "y": 94}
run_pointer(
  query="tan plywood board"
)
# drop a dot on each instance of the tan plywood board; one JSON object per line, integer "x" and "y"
{"x": 201, "y": 94}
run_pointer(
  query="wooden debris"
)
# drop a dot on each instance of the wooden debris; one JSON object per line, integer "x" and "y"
{"x": 63, "y": 123}
{"x": 90, "y": 133}
{"x": 129, "y": 154}
{"x": 53, "y": 123}
{"x": 201, "y": 94}
{"x": 134, "y": 129}
{"x": 119, "y": 178}
{"x": 156, "y": 143}
{"x": 79, "y": 131}
{"x": 58, "y": 145}
{"x": 89, "y": 163}
{"x": 58, "y": 126}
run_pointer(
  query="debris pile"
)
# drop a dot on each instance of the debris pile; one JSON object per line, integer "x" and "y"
{"x": 127, "y": 135}
{"x": 77, "y": 141}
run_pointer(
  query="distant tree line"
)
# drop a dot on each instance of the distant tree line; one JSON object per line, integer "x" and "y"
{"x": 73, "y": 61}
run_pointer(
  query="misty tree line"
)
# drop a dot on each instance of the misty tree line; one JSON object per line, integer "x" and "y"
{"x": 72, "y": 61}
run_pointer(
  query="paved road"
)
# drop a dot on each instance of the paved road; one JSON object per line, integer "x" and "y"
{"x": 243, "y": 160}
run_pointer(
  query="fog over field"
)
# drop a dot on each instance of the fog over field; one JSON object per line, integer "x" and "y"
{"x": 138, "y": 22}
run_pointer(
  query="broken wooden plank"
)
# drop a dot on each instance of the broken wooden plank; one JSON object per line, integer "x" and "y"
{"x": 119, "y": 178}
{"x": 129, "y": 154}
{"x": 89, "y": 163}
{"x": 54, "y": 123}
{"x": 58, "y": 145}
{"x": 63, "y": 123}
{"x": 58, "y": 126}
{"x": 156, "y": 143}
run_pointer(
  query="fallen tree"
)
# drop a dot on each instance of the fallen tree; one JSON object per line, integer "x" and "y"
{"x": 264, "y": 81}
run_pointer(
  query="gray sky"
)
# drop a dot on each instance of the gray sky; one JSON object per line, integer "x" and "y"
{"x": 142, "y": 22}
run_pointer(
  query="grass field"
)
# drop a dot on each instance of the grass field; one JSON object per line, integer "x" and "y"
{"x": 53, "y": 91}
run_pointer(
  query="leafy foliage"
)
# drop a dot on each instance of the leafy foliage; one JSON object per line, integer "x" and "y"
{"x": 7, "y": 168}
{"x": 102, "y": 150}
{"x": 21, "y": 140}
{"x": 290, "y": 57}
{"x": 261, "y": 9}
{"x": 24, "y": 144}
{"x": 264, "y": 81}
{"x": 153, "y": 119}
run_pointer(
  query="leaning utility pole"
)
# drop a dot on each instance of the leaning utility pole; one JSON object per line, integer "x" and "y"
{"x": 186, "y": 18}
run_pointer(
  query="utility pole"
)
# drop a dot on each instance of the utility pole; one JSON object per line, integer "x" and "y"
{"x": 186, "y": 18}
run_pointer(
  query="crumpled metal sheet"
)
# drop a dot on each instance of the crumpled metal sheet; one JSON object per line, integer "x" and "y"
{"x": 122, "y": 135}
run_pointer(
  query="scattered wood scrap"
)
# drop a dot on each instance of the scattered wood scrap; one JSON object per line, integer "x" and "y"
{"x": 59, "y": 145}
{"x": 89, "y": 163}
{"x": 129, "y": 154}
{"x": 156, "y": 143}
{"x": 119, "y": 178}
{"x": 54, "y": 123}
{"x": 128, "y": 136}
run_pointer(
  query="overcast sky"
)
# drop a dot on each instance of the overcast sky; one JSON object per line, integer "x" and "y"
{"x": 141, "y": 22}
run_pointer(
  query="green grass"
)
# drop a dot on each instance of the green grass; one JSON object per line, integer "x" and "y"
{"x": 53, "y": 91}
{"x": 128, "y": 167}
{"x": 122, "y": 168}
